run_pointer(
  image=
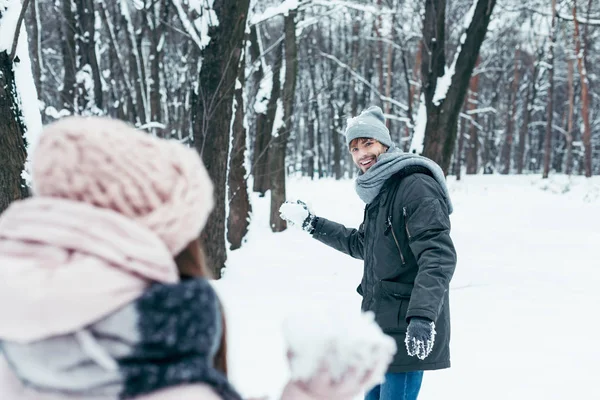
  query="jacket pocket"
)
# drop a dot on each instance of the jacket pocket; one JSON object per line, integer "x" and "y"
{"x": 392, "y": 306}
{"x": 427, "y": 215}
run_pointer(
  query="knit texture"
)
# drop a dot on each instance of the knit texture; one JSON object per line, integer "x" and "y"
{"x": 391, "y": 162}
{"x": 160, "y": 184}
{"x": 369, "y": 124}
{"x": 180, "y": 330}
{"x": 167, "y": 338}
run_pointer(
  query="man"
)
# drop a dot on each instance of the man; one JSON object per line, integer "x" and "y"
{"x": 404, "y": 240}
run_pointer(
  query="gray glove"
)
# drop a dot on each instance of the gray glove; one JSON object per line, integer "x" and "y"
{"x": 420, "y": 337}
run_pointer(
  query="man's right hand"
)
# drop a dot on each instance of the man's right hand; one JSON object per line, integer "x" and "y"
{"x": 298, "y": 214}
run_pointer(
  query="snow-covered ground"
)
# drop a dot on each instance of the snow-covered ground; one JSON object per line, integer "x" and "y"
{"x": 525, "y": 297}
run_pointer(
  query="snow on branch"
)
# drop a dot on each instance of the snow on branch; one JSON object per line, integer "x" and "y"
{"x": 355, "y": 6}
{"x": 11, "y": 15}
{"x": 285, "y": 7}
{"x": 444, "y": 81}
{"x": 198, "y": 29}
{"x": 482, "y": 110}
{"x": 282, "y": 9}
{"x": 581, "y": 20}
{"x": 366, "y": 82}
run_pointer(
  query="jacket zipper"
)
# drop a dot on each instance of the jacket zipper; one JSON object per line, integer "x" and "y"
{"x": 406, "y": 222}
{"x": 396, "y": 239}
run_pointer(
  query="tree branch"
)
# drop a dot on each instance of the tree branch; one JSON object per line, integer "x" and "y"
{"x": 366, "y": 82}
{"x": 13, "y": 51}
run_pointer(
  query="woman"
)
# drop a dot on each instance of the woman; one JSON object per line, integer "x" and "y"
{"x": 103, "y": 288}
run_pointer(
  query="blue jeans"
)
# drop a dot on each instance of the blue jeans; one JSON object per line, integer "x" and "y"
{"x": 398, "y": 386}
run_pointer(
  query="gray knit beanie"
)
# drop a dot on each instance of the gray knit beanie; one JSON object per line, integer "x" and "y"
{"x": 369, "y": 124}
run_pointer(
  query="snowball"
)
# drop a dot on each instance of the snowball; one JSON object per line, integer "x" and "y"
{"x": 339, "y": 341}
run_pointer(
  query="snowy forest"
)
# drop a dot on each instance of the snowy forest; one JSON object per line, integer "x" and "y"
{"x": 263, "y": 88}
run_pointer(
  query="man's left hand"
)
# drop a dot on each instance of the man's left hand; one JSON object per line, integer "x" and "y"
{"x": 420, "y": 337}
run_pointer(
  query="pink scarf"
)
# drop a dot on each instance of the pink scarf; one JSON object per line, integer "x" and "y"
{"x": 66, "y": 264}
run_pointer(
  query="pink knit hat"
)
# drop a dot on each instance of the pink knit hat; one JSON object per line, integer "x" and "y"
{"x": 161, "y": 184}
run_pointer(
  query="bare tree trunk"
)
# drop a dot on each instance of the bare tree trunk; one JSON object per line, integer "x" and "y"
{"x": 571, "y": 113}
{"x": 310, "y": 122}
{"x": 405, "y": 145}
{"x": 442, "y": 116}
{"x": 390, "y": 71}
{"x": 524, "y": 136}
{"x": 459, "y": 152}
{"x": 473, "y": 150}
{"x": 314, "y": 106}
{"x": 135, "y": 63}
{"x": 279, "y": 145}
{"x": 86, "y": 46}
{"x": 550, "y": 106}
{"x": 377, "y": 26}
{"x": 69, "y": 56}
{"x": 35, "y": 45}
{"x": 506, "y": 155}
{"x": 239, "y": 204}
{"x": 264, "y": 128}
{"x": 335, "y": 139}
{"x": 126, "y": 106}
{"x": 212, "y": 115}
{"x": 355, "y": 62}
{"x": 585, "y": 98}
{"x": 12, "y": 144}
{"x": 158, "y": 13}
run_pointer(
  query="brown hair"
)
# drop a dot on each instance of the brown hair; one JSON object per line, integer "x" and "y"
{"x": 191, "y": 263}
{"x": 354, "y": 142}
{"x": 361, "y": 140}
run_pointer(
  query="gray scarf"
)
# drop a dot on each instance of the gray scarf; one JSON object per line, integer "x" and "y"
{"x": 391, "y": 162}
{"x": 166, "y": 338}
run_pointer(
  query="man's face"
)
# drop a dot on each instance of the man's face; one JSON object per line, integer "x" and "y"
{"x": 365, "y": 152}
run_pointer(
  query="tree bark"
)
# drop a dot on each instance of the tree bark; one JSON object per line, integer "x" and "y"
{"x": 472, "y": 156}
{"x": 69, "y": 57}
{"x": 86, "y": 46}
{"x": 135, "y": 64}
{"x": 506, "y": 156}
{"x": 264, "y": 128}
{"x": 35, "y": 43}
{"x": 157, "y": 14}
{"x": 442, "y": 117}
{"x": 278, "y": 149}
{"x": 212, "y": 116}
{"x": 550, "y": 105}
{"x": 459, "y": 152}
{"x": 12, "y": 143}
{"x": 239, "y": 204}
{"x": 571, "y": 114}
{"x": 585, "y": 98}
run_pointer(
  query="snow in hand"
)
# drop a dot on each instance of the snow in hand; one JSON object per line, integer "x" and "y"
{"x": 527, "y": 267}
{"x": 294, "y": 213}
{"x": 339, "y": 339}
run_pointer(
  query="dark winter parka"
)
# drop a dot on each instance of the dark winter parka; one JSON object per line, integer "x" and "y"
{"x": 409, "y": 260}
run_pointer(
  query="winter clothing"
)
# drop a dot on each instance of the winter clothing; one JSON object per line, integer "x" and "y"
{"x": 89, "y": 294}
{"x": 297, "y": 214}
{"x": 166, "y": 338}
{"x": 66, "y": 264}
{"x": 409, "y": 260}
{"x": 368, "y": 185}
{"x": 12, "y": 389}
{"x": 160, "y": 184}
{"x": 398, "y": 386}
{"x": 420, "y": 337}
{"x": 369, "y": 124}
